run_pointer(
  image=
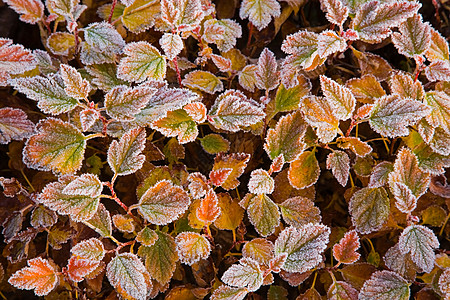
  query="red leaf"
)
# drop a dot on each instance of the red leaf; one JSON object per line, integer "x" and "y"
{"x": 345, "y": 250}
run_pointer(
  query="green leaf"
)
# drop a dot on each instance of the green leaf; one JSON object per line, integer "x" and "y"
{"x": 385, "y": 285}
{"x": 104, "y": 37}
{"x": 214, "y": 143}
{"x": 101, "y": 221}
{"x": 245, "y": 274}
{"x": 147, "y": 236}
{"x": 177, "y": 123}
{"x": 304, "y": 171}
{"x": 303, "y": 245}
{"x": 440, "y": 105}
{"x": 369, "y": 208}
{"x": 263, "y": 214}
{"x": 57, "y": 146}
{"x": 204, "y": 81}
{"x": 160, "y": 258}
{"x": 298, "y": 211}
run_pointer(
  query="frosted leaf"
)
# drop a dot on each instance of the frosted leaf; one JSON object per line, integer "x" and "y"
{"x": 40, "y": 275}
{"x": 263, "y": 214}
{"x": 235, "y": 161}
{"x": 219, "y": 176}
{"x": 104, "y": 37}
{"x": 414, "y": 37}
{"x": 440, "y": 105}
{"x": 88, "y": 117}
{"x": 339, "y": 163}
{"x": 425, "y": 130}
{"x": 245, "y": 274}
{"x": 198, "y": 185}
{"x": 304, "y": 47}
{"x": 61, "y": 43}
{"x": 122, "y": 102}
{"x": 407, "y": 182}
{"x": 342, "y": 290}
{"x": 192, "y": 247}
{"x": 259, "y": 249}
{"x": 14, "y": 59}
{"x": 75, "y": 86}
{"x": 91, "y": 249}
{"x": 124, "y": 156}
{"x": 345, "y": 251}
{"x": 369, "y": 208}
{"x": 90, "y": 55}
{"x": 438, "y": 70}
{"x": 31, "y": 11}
{"x": 304, "y": 171}
{"x": 286, "y": 138}
{"x": 222, "y": 63}
{"x": 319, "y": 114}
{"x": 78, "y": 207}
{"x": 232, "y": 110}
{"x": 336, "y": 11}
{"x": 79, "y": 268}
{"x": 14, "y": 125}
{"x": 276, "y": 263}
{"x": 225, "y": 292}
{"x": 391, "y": 115}
{"x": 373, "y": 20}
{"x": 57, "y": 146}
{"x": 197, "y": 111}
{"x": 142, "y": 61}
{"x": 438, "y": 49}
{"x": 277, "y": 164}
{"x": 266, "y": 72}
{"x": 124, "y": 223}
{"x": 403, "y": 85}
{"x": 247, "y": 77}
{"x": 385, "y": 285}
{"x": 440, "y": 142}
{"x": 160, "y": 258}
{"x": 184, "y": 15}
{"x": 330, "y": 42}
{"x": 177, "y": 123}
{"x": 172, "y": 44}
{"x": 209, "y": 209}
{"x": 444, "y": 282}
{"x": 104, "y": 76}
{"x": 48, "y": 91}
{"x": 341, "y": 99}
{"x": 165, "y": 100}
{"x": 380, "y": 174}
{"x": 62, "y": 7}
{"x": 147, "y": 237}
{"x": 260, "y": 182}
{"x": 299, "y": 211}
{"x": 223, "y": 33}
{"x": 101, "y": 221}
{"x": 163, "y": 203}
{"x": 140, "y": 15}
{"x": 365, "y": 89}
{"x": 400, "y": 263}
{"x": 259, "y": 12}
{"x": 303, "y": 245}
{"x": 128, "y": 276}
{"x": 43, "y": 217}
{"x": 86, "y": 185}
{"x": 44, "y": 62}
{"x": 420, "y": 242}
{"x": 360, "y": 148}
{"x": 204, "y": 81}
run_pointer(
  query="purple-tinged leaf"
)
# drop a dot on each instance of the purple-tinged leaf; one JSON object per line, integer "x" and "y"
{"x": 385, "y": 285}
{"x": 339, "y": 163}
{"x": 14, "y": 125}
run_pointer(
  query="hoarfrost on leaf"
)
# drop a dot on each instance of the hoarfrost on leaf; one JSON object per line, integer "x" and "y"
{"x": 259, "y": 249}
{"x": 75, "y": 85}
{"x": 341, "y": 99}
{"x": 247, "y": 274}
{"x": 414, "y": 37}
{"x": 104, "y": 37}
{"x": 263, "y": 213}
{"x": 345, "y": 250}
{"x": 339, "y": 163}
{"x": 204, "y": 81}
{"x": 259, "y": 12}
{"x": 260, "y": 182}
{"x": 266, "y": 72}
{"x": 172, "y": 44}
{"x": 299, "y": 211}
{"x": 90, "y": 249}
{"x": 192, "y": 247}
{"x": 14, "y": 125}
{"x": 385, "y": 285}
{"x": 85, "y": 184}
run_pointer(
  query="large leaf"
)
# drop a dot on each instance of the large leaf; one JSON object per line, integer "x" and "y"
{"x": 78, "y": 207}
{"x": 303, "y": 246}
{"x": 143, "y": 61}
{"x": 420, "y": 242}
{"x": 259, "y": 12}
{"x": 340, "y": 98}
{"x": 128, "y": 276}
{"x": 163, "y": 203}
{"x": 385, "y": 285}
{"x": 263, "y": 213}
{"x": 14, "y": 125}
{"x": 369, "y": 208}
{"x": 122, "y": 102}
{"x": 440, "y": 105}
{"x": 414, "y": 37}
{"x": 192, "y": 247}
{"x": 104, "y": 37}
{"x": 124, "y": 157}
{"x": 304, "y": 171}
{"x": 85, "y": 184}
{"x": 31, "y": 11}
{"x": 245, "y": 274}
{"x": 57, "y": 146}
{"x": 235, "y": 161}
{"x": 140, "y": 15}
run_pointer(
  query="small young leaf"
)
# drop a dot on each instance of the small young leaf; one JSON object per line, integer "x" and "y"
{"x": 209, "y": 209}
{"x": 380, "y": 174}
{"x": 247, "y": 77}
{"x": 420, "y": 242}
{"x": 360, "y": 148}
{"x": 365, "y": 89}
{"x": 40, "y": 275}
{"x": 91, "y": 249}
{"x": 215, "y": 143}
{"x": 204, "y": 81}
{"x": 198, "y": 185}
{"x": 266, "y": 73}
{"x": 330, "y": 42}
{"x": 143, "y": 61}
{"x": 14, "y": 125}
{"x": 259, "y": 12}
{"x": 124, "y": 157}
{"x": 147, "y": 237}
{"x": 414, "y": 37}
{"x": 31, "y": 11}
{"x": 128, "y": 276}
{"x": 259, "y": 249}
{"x": 339, "y": 163}
{"x": 336, "y": 11}
{"x": 245, "y": 274}
{"x": 304, "y": 171}
{"x": 222, "y": 63}
{"x": 303, "y": 245}
{"x": 124, "y": 223}
{"x": 263, "y": 213}
{"x": 172, "y": 44}
{"x": 385, "y": 285}
{"x": 235, "y": 161}
{"x": 192, "y": 247}
{"x": 101, "y": 221}
{"x": 104, "y": 37}
{"x": 369, "y": 208}
{"x": 341, "y": 99}
{"x": 260, "y": 182}
{"x": 345, "y": 251}
{"x": 57, "y": 146}
{"x": 303, "y": 46}
{"x": 75, "y": 86}
{"x": 231, "y": 214}
{"x": 43, "y": 217}
{"x": 163, "y": 203}
{"x": 299, "y": 211}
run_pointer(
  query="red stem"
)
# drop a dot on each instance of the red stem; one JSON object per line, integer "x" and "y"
{"x": 250, "y": 34}
{"x": 113, "y": 6}
{"x": 175, "y": 62}
{"x": 114, "y": 196}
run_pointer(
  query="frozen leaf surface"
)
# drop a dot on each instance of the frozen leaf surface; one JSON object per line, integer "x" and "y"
{"x": 226, "y": 292}
{"x": 209, "y": 208}
{"x": 192, "y": 247}
{"x": 101, "y": 221}
{"x": 122, "y": 102}
{"x": 85, "y": 184}
{"x": 341, "y": 99}
{"x": 299, "y": 211}
{"x": 223, "y": 33}
{"x": 380, "y": 174}
{"x": 139, "y": 15}
{"x": 345, "y": 250}
{"x": 339, "y": 163}
{"x": 237, "y": 162}
{"x": 91, "y": 249}
{"x": 318, "y": 112}
{"x": 304, "y": 171}
{"x": 104, "y": 37}
{"x": 75, "y": 86}
{"x": 204, "y": 81}
{"x": 385, "y": 285}
{"x": 245, "y": 274}
{"x": 259, "y": 12}
{"x": 177, "y": 123}
{"x": 266, "y": 73}
{"x": 259, "y": 249}
{"x": 214, "y": 143}
{"x": 14, "y": 125}
{"x": 414, "y": 37}
{"x": 330, "y": 42}
{"x": 440, "y": 113}
{"x": 336, "y": 11}
{"x": 172, "y": 44}
{"x": 263, "y": 213}
{"x": 260, "y": 182}
{"x": 78, "y": 268}
{"x": 31, "y": 11}
{"x": 231, "y": 214}
{"x": 359, "y": 147}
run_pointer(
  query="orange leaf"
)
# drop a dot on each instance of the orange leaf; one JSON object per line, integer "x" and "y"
{"x": 209, "y": 209}
{"x": 78, "y": 268}
{"x": 345, "y": 250}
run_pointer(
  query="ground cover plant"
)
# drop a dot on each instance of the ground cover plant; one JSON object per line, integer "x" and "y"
{"x": 258, "y": 149}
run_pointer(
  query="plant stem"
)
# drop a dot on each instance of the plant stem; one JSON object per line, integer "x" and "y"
{"x": 113, "y": 6}
{"x": 175, "y": 62}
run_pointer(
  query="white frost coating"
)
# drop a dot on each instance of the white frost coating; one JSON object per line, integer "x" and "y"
{"x": 380, "y": 174}
{"x": 245, "y": 274}
{"x": 260, "y": 182}
{"x": 172, "y": 44}
{"x": 385, "y": 285}
{"x": 266, "y": 72}
{"x": 329, "y": 43}
{"x": 303, "y": 245}
{"x": 263, "y": 213}
{"x": 192, "y": 247}
{"x": 124, "y": 157}
{"x": 223, "y": 33}
{"x": 399, "y": 262}
{"x": 14, "y": 125}
{"x": 90, "y": 249}
{"x": 123, "y": 102}
{"x": 414, "y": 37}
{"x": 75, "y": 85}
{"x": 339, "y": 163}
{"x": 226, "y": 292}
{"x": 259, "y": 12}
{"x": 104, "y": 37}
{"x": 126, "y": 271}
{"x": 340, "y": 98}
{"x": 420, "y": 242}
{"x": 86, "y": 184}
